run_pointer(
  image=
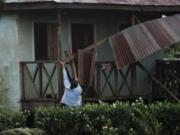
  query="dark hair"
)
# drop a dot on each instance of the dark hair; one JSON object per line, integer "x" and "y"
{"x": 74, "y": 83}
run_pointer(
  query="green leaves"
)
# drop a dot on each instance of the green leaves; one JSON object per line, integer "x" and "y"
{"x": 119, "y": 118}
{"x": 116, "y": 119}
{"x": 9, "y": 119}
{"x": 22, "y": 131}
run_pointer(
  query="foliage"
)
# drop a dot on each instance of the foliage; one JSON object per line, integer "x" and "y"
{"x": 173, "y": 52}
{"x": 115, "y": 119}
{"x": 120, "y": 118}
{"x": 22, "y": 131}
{"x": 169, "y": 116}
{"x": 9, "y": 119}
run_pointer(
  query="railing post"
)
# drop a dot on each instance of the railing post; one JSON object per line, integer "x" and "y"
{"x": 133, "y": 80}
{"x": 22, "y": 81}
{"x": 40, "y": 80}
{"x": 115, "y": 80}
{"x": 60, "y": 79}
{"x": 98, "y": 78}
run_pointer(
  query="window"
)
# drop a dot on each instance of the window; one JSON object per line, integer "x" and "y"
{"x": 45, "y": 36}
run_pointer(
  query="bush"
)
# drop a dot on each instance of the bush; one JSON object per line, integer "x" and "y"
{"x": 169, "y": 116}
{"x": 115, "y": 119}
{"x": 101, "y": 119}
{"x": 22, "y": 131}
{"x": 10, "y": 119}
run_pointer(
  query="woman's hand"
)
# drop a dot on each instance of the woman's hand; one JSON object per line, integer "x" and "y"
{"x": 62, "y": 63}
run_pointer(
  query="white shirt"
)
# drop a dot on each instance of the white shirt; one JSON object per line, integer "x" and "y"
{"x": 71, "y": 97}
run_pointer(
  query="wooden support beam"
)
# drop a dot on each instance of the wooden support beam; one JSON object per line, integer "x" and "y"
{"x": 22, "y": 76}
{"x": 115, "y": 81}
{"x": 133, "y": 19}
{"x": 70, "y": 58}
{"x": 92, "y": 70}
{"x": 133, "y": 66}
{"x": 149, "y": 86}
{"x": 40, "y": 80}
{"x": 73, "y": 66}
{"x": 90, "y": 47}
{"x": 70, "y": 63}
{"x": 98, "y": 84}
{"x": 60, "y": 79}
{"x": 158, "y": 82}
{"x": 133, "y": 80}
{"x": 95, "y": 45}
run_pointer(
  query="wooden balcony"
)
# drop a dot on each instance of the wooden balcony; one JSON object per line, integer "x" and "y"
{"x": 41, "y": 83}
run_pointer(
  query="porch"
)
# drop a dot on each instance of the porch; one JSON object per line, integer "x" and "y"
{"x": 41, "y": 83}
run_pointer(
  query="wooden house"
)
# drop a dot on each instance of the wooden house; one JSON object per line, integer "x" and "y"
{"x": 36, "y": 33}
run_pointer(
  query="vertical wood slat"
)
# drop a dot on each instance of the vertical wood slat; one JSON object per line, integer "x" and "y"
{"x": 133, "y": 80}
{"x": 149, "y": 90}
{"x": 133, "y": 66}
{"x": 23, "y": 97}
{"x": 40, "y": 80}
{"x": 116, "y": 81}
{"x": 98, "y": 84}
{"x": 60, "y": 79}
{"x": 159, "y": 71}
{"x": 73, "y": 64}
{"x": 80, "y": 67}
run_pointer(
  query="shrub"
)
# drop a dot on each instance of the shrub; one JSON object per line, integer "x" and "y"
{"x": 101, "y": 119}
{"x": 10, "y": 119}
{"x": 115, "y": 119}
{"x": 93, "y": 119}
{"x": 22, "y": 131}
{"x": 168, "y": 115}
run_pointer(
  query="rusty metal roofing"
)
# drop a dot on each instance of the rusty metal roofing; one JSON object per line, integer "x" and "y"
{"x": 112, "y": 2}
{"x": 139, "y": 41}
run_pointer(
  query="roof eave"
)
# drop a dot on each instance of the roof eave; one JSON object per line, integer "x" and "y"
{"x": 77, "y": 6}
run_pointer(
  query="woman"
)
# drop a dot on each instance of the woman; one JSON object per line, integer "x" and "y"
{"x": 72, "y": 90}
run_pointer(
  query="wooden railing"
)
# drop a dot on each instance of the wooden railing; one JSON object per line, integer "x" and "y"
{"x": 110, "y": 82}
{"x": 40, "y": 80}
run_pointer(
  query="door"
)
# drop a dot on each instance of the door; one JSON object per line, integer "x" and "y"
{"x": 82, "y": 36}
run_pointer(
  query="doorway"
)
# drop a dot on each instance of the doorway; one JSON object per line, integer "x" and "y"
{"x": 82, "y": 36}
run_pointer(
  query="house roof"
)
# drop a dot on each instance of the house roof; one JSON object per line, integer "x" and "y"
{"x": 141, "y": 5}
{"x": 114, "y": 2}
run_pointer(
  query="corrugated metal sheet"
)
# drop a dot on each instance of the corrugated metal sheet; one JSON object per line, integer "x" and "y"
{"x": 85, "y": 67}
{"x": 112, "y": 2}
{"x": 139, "y": 41}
